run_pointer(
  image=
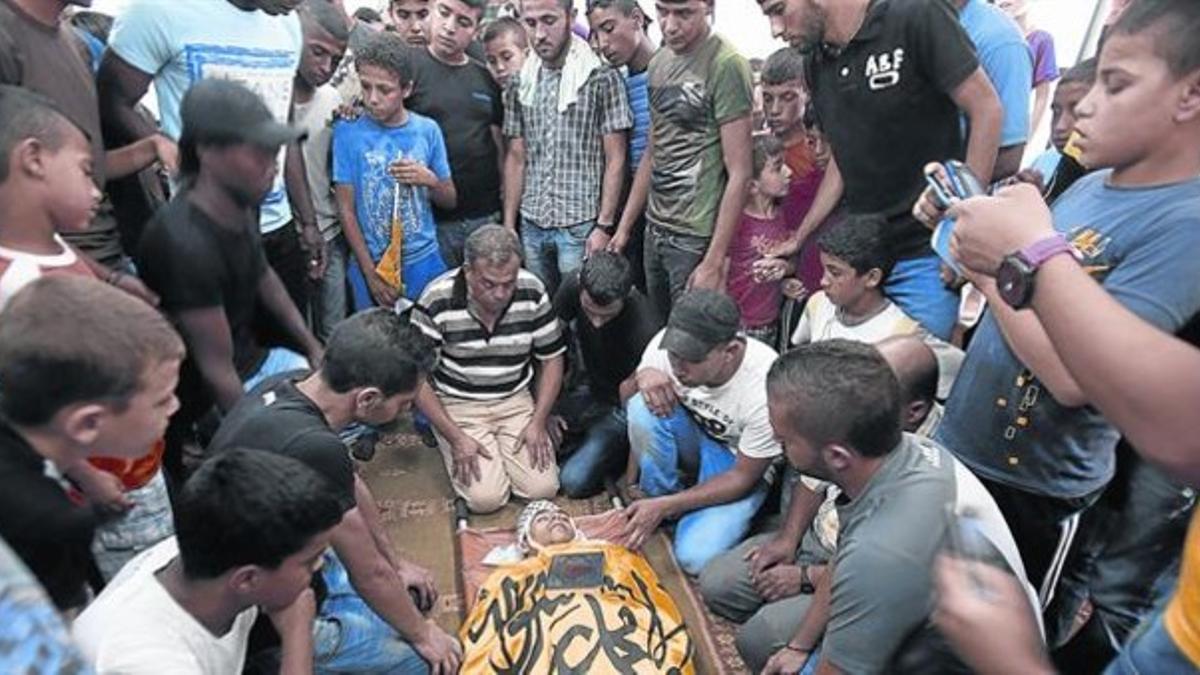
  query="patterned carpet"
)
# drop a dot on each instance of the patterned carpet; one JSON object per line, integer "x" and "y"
{"x": 416, "y": 504}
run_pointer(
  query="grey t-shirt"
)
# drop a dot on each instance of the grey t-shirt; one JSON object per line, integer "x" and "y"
{"x": 890, "y": 535}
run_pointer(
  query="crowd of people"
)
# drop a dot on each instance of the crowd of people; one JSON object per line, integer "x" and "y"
{"x": 578, "y": 261}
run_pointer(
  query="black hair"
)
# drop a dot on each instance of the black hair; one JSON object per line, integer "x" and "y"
{"x": 365, "y": 14}
{"x": 70, "y": 339}
{"x": 839, "y": 391}
{"x": 328, "y": 18}
{"x": 250, "y": 507}
{"x": 606, "y": 276}
{"x": 376, "y": 348}
{"x": 859, "y": 241}
{"x": 1083, "y": 72}
{"x": 766, "y": 146}
{"x": 505, "y": 25}
{"x": 480, "y": 7}
{"x": 626, "y": 7}
{"x": 25, "y": 114}
{"x": 97, "y": 24}
{"x": 1177, "y": 23}
{"x": 389, "y": 52}
{"x": 783, "y": 65}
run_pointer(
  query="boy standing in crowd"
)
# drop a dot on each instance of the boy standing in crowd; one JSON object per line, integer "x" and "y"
{"x": 203, "y": 256}
{"x": 756, "y": 290}
{"x": 410, "y": 20}
{"x": 565, "y": 117}
{"x": 1016, "y": 416}
{"x": 458, "y": 93}
{"x": 697, "y": 162}
{"x": 506, "y": 46}
{"x": 388, "y": 166}
{"x": 57, "y": 325}
{"x": 314, "y": 102}
{"x": 251, "y": 528}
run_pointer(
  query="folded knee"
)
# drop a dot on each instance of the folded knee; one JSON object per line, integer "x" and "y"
{"x": 485, "y": 500}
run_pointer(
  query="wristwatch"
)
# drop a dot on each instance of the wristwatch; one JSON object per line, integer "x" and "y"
{"x": 806, "y": 584}
{"x": 609, "y": 229}
{"x": 1014, "y": 279}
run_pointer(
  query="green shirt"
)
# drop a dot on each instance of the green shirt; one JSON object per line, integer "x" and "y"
{"x": 691, "y": 96}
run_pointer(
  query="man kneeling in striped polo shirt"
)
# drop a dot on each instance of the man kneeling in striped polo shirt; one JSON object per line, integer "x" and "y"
{"x": 494, "y": 327}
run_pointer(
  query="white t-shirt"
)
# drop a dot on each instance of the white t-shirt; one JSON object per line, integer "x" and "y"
{"x": 820, "y": 321}
{"x": 314, "y": 117}
{"x": 734, "y": 413}
{"x": 181, "y": 42}
{"x": 136, "y": 627}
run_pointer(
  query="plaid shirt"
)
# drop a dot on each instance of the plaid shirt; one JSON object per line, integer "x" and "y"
{"x": 564, "y": 152}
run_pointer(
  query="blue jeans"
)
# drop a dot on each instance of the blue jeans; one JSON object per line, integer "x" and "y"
{"x": 917, "y": 288}
{"x": 1151, "y": 651}
{"x": 660, "y": 444}
{"x": 416, "y": 274}
{"x": 329, "y": 301}
{"x": 602, "y": 454}
{"x": 669, "y": 258}
{"x": 452, "y": 236}
{"x": 349, "y": 637}
{"x": 552, "y": 253}
{"x": 279, "y": 360}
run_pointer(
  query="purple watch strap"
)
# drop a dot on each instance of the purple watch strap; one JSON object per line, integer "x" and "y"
{"x": 1044, "y": 249}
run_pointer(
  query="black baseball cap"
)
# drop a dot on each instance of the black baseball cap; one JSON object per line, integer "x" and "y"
{"x": 225, "y": 110}
{"x": 701, "y": 320}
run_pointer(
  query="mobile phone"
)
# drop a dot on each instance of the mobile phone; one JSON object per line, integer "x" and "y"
{"x": 954, "y": 182}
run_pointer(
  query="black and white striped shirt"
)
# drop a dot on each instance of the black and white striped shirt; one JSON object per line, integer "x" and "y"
{"x": 487, "y": 365}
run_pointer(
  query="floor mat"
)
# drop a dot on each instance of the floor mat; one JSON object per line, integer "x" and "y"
{"x": 417, "y": 506}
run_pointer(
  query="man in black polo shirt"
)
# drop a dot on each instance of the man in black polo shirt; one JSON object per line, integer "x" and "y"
{"x": 888, "y": 79}
{"x": 374, "y": 362}
{"x": 459, "y": 94}
{"x": 87, "y": 371}
{"x": 613, "y": 323}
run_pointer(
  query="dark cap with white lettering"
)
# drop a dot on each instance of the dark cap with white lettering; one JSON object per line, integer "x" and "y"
{"x": 701, "y": 320}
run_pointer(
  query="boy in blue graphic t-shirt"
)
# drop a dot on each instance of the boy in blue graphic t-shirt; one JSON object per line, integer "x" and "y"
{"x": 387, "y": 167}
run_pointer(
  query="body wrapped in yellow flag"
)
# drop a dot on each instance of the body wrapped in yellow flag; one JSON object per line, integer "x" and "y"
{"x": 576, "y": 607}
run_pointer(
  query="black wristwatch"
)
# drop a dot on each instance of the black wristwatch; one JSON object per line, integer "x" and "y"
{"x": 609, "y": 229}
{"x": 1015, "y": 277}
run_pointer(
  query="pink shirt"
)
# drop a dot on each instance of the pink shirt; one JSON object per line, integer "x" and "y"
{"x": 758, "y": 302}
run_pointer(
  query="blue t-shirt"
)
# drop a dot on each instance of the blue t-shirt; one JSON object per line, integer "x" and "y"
{"x": 182, "y": 42}
{"x": 637, "y": 88}
{"x": 1005, "y": 57}
{"x": 1047, "y": 163}
{"x": 1141, "y": 244}
{"x": 362, "y": 151}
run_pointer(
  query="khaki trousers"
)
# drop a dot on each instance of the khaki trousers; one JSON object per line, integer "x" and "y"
{"x": 497, "y": 425}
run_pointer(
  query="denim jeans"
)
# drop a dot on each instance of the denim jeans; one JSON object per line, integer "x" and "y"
{"x": 916, "y": 286}
{"x": 279, "y": 360}
{"x": 1151, "y": 651}
{"x": 661, "y": 445}
{"x": 552, "y": 253}
{"x": 329, "y": 300}
{"x": 452, "y": 236}
{"x": 349, "y": 637}
{"x": 149, "y": 521}
{"x": 416, "y": 274}
{"x": 603, "y": 454}
{"x": 669, "y": 258}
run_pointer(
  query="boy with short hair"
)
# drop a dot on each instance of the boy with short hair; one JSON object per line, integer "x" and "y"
{"x": 251, "y": 528}
{"x": 314, "y": 102}
{"x": 785, "y": 100}
{"x": 125, "y": 360}
{"x": 1046, "y": 455}
{"x": 757, "y": 290}
{"x": 410, "y": 20}
{"x": 851, "y": 303}
{"x": 388, "y": 165}
{"x": 1058, "y": 167}
{"x": 506, "y": 45}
